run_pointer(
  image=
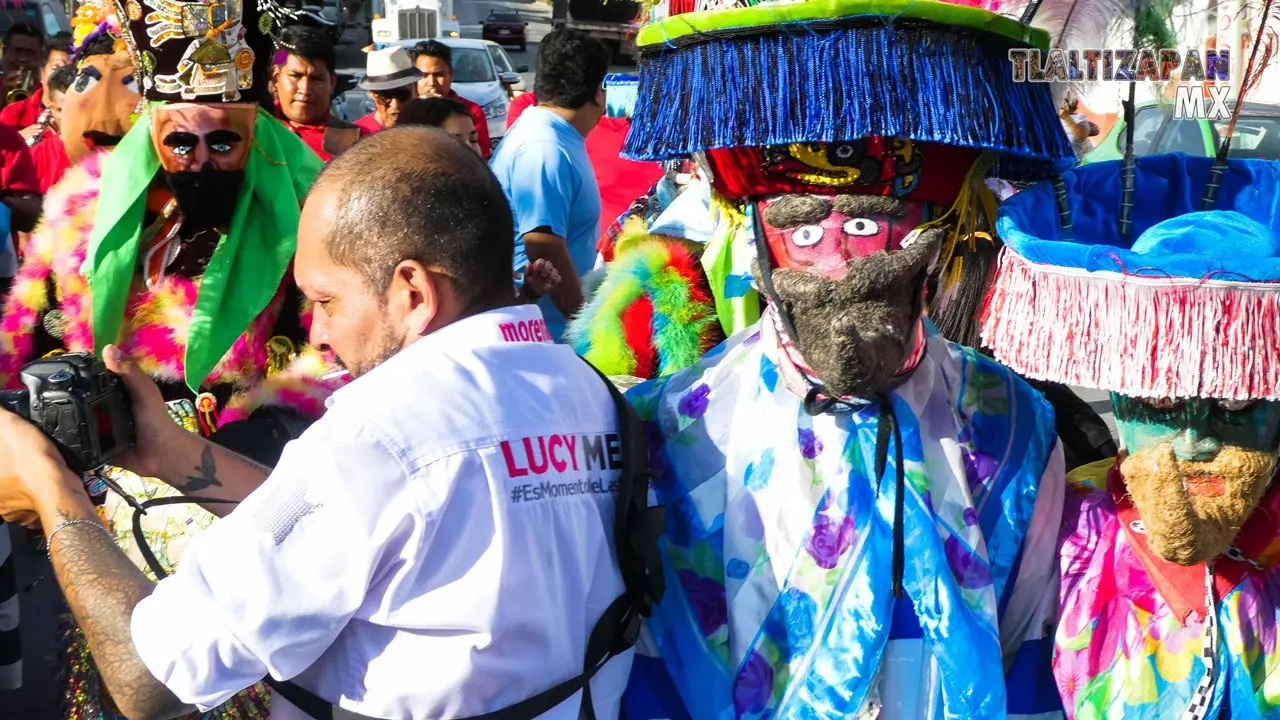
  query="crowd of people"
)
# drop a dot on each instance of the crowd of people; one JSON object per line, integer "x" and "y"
{"x": 771, "y": 417}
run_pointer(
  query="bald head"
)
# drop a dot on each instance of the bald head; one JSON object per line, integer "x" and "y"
{"x": 416, "y": 193}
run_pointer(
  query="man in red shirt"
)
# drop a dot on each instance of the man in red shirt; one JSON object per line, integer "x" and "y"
{"x": 24, "y": 49}
{"x": 47, "y": 152}
{"x": 20, "y": 192}
{"x": 389, "y": 78}
{"x": 435, "y": 60}
{"x": 303, "y": 81}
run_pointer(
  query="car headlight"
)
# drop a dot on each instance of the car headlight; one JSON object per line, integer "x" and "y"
{"x": 497, "y": 108}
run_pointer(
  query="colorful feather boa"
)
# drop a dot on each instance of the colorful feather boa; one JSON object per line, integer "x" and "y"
{"x": 157, "y": 320}
{"x": 652, "y": 315}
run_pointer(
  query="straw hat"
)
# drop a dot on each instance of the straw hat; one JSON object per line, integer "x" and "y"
{"x": 388, "y": 69}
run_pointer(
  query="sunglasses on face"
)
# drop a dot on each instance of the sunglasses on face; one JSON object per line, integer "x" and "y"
{"x": 400, "y": 94}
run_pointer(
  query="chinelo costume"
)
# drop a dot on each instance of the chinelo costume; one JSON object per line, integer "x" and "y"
{"x": 861, "y": 515}
{"x": 177, "y": 247}
{"x": 1170, "y": 553}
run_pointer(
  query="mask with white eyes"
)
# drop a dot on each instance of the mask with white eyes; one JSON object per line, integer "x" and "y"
{"x": 850, "y": 269}
{"x": 97, "y": 109}
{"x": 824, "y": 234}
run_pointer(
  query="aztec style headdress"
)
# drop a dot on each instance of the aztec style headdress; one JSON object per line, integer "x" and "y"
{"x": 1188, "y": 305}
{"x": 204, "y": 51}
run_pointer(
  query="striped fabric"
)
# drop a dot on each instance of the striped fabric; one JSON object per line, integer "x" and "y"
{"x": 10, "y": 642}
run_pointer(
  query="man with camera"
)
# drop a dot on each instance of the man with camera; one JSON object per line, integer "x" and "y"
{"x": 438, "y": 544}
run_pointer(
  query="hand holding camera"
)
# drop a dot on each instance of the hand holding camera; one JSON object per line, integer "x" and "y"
{"x": 78, "y": 404}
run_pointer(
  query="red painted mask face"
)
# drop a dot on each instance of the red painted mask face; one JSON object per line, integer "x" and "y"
{"x": 824, "y": 234}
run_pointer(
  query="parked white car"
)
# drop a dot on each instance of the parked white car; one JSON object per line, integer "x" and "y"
{"x": 503, "y": 62}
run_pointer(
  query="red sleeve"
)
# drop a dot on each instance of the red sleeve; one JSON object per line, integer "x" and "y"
{"x": 482, "y": 130}
{"x": 11, "y": 115}
{"x": 51, "y": 161}
{"x": 17, "y": 170}
{"x": 519, "y": 105}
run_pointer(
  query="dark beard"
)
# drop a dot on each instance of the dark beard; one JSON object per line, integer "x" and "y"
{"x": 207, "y": 198}
{"x": 855, "y": 333}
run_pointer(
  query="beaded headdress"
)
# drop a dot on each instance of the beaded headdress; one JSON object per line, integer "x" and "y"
{"x": 204, "y": 51}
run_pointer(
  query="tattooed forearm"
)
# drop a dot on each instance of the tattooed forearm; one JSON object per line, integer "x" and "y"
{"x": 102, "y": 587}
{"x": 206, "y": 473}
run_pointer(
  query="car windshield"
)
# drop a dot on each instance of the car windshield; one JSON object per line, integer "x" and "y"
{"x": 472, "y": 65}
{"x": 12, "y": 15}
{"x": 504, "y": 17}
{"x": 500, "y": 59}
{"x": 1257, "y": 136}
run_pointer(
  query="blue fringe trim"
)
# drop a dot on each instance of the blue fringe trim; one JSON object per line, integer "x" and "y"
{"x": 837, "y": 81}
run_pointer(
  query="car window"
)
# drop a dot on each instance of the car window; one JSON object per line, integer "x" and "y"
{"x": 505, "y": 17}
{"x": 1183, "y": 135}
{"x": 1256, "y": 137}
{"x": 500, "y": 58}
{"x": 472, "y": 65}
{"x": 29, "y": 14}
{"x": 50, "y": 16}
{"x": 1146, "y": 123}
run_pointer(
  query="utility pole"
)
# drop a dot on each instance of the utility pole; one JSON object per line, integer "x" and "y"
{"x": 559, "y": 13}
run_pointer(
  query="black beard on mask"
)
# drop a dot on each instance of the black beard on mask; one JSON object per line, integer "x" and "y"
{"x": 207, "y": 198}
{"x": 855, "y": 333}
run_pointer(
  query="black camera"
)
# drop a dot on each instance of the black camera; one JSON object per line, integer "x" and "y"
{"x": 79, "y": 404}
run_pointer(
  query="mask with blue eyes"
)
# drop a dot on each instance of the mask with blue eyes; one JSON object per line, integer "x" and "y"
{"x": 1196, "y": 469}
{"x": 98, "y": 107}
{"x": 203, "y": 148}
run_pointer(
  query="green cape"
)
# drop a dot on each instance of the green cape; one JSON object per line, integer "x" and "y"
{"x": 246, "y": 268}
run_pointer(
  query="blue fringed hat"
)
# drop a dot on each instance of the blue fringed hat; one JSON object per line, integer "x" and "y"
{"x": 1187, "y": 306}
{"x": 826, "y": 71}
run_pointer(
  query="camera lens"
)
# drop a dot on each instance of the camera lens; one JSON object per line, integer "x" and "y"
{"x": 61, "y": 376}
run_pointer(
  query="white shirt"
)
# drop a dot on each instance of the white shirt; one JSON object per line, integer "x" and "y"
{"x": 438, "y": 545}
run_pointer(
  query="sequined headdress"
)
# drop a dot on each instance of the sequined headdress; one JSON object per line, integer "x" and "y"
{"x": 204, "y": 51}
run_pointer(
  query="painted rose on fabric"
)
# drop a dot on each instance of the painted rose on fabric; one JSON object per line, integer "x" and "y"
{"x": 829, "y": 541}
{"x": 970, "y": 570}
{"x": 791, "y": 622}
{"x": 978, "y": 468}
{"x": 706, "y": 597}
{"x": 694, "y": 404}
{"x": 753, "y": 686}
{"x": 810, "y": 445}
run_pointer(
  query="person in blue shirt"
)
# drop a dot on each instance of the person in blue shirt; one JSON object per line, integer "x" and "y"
{"x": 543, "y": 167}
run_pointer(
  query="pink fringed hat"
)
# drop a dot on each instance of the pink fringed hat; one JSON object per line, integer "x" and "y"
{"x": 1187, "y": 306}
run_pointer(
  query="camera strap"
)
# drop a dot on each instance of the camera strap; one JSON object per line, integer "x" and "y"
{"x": 636, "y": 529}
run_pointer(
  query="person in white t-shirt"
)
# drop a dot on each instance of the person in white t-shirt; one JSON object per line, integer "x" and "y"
{"x": 438, "y": 545}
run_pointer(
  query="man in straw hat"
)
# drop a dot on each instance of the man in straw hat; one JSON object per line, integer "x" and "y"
{"x": 391, "y": 79}
{"x": 1169, "y": 557}
{"x": 861, "y": 515}
{"x": 177, "y": 247}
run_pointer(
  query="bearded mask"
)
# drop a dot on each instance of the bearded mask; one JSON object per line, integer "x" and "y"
{"x": 203, "y": 149}
{"x": 97, "y": 110}
{"x": 841, "y": 223}
{"x": 1196, "y": 469}
{"x": 851, "y": 271}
